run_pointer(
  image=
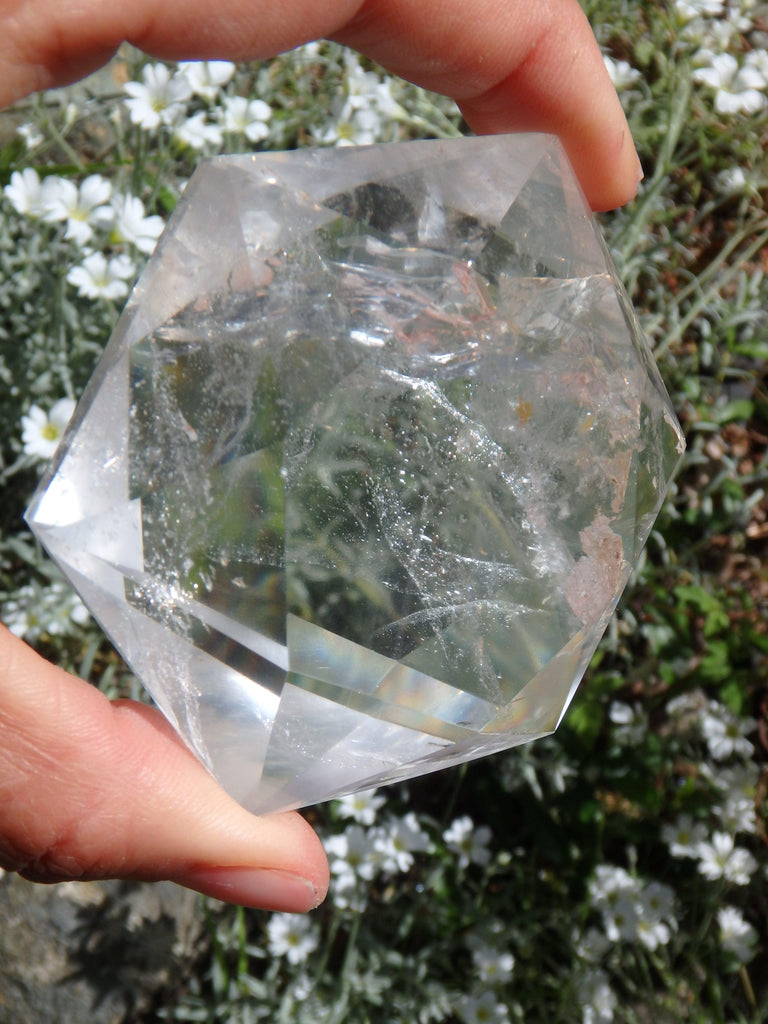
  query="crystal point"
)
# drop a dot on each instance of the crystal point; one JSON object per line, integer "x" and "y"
{"x": 367, "y": 462}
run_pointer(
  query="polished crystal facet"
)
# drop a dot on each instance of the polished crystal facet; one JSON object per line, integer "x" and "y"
{"x": 367, "y": 463}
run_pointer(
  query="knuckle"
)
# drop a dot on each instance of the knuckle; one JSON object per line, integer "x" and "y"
{"x": 55, "y": 863}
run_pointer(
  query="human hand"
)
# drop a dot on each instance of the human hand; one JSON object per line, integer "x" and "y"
{"x": 511, "y": 65}
{"x": 93, "y": 789}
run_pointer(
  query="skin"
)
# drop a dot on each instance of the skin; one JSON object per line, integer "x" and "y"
{"x": 511, "y": 65}
{"x": 93, "y": 789}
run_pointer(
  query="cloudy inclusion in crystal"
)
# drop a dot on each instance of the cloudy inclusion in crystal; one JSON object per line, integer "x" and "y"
{"x": 367, "y": 463}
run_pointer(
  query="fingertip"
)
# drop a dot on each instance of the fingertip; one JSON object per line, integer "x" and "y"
{"x": 264, "y": 889}
{"x": 294, "y": 882}
{"x": 206, "y": 840}
{"x": 609, "y": 172}
{"x": 558, "y": 83}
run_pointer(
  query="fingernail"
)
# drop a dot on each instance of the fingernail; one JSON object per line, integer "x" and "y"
{"x": 640, "y": 171}
{"x": 264, "y": 888}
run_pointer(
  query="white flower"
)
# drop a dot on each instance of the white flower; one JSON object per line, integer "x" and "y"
{"x": 732, "y": 182}
{"x": 159, "y": 98}
{"x": 609, "y": 884}
{"x": 718, "y": 35}
{"x": 622, "y": 73}
{"x": 482, "y": 1009}
{"x": 592, "y": 946}
{"x": 725, "y": 733}
{"x": 366, "y": 90}
{"x": 657, "y": 900}
{"x": 41, "y": 432}
{"x": 353, "y": 127}
{"x": 379, "y": 99}
{"x": 632, "y": 911}
{"x": 207, "y": 77}
{"x": 397, "y": 841}
{"x": 22, "y": 615}
{"x": 684, "y": 836}
{"x": 742, "y": 13}
{"x": 308, "y": 53}
{"x": 470, "y": 843}
{"x": 130, "y": 224}
{"x": 738, "y": 783}
{"x": 621, "y": 713}
{"x": 301, "y": 987}
{"x": 620, "y": 918}
{"x": 737, "y": 936}
{"x": 691, "y": 704}
{"x": 361, "y": 85}
{"x": 32, "y": 136}
{"x": 71, "y": 114}
{"x": 348, "y": 897}
{"x": 81, "y": 208}
{"x": 53, "y": 610}
{"x": 291, "y": 936}
{"x": 689, "y": 9}
{"x": 59, "y": 608}
{"x": 27, "y": 194}
{"x": 721, "y": 859}
{"x": 77, "y": 611}
{"x": 197, "y": 132}
{"x": 655, "y": 918}
{"x": 736, "y": 88}
{"x": 246, "y": 117}
{"x": 632, "y": 721}
{"x": 360, "y": 806}
{"x": 95, "y": 278}
{"x": 596, "y": 998}
{"x": 493, "y": 965}
{"x": 738, "y": 814}
{"x": 737, "y": 780}
{"x": 351, "y": 856}
{"x": 757, "y": 61}
{"x": 360, "y": 115}
{"x": 17, "y": 615}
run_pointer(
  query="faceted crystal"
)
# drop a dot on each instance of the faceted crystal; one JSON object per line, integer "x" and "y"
{"x": 367, "y": 463}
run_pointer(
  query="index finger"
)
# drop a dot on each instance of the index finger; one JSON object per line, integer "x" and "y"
{"x": 510, "y": 64}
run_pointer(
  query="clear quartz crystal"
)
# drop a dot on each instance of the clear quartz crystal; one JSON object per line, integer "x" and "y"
{"x": 366, "y": 465}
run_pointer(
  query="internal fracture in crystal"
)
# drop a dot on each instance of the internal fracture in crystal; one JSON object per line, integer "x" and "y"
{"x": 367, "y": 463}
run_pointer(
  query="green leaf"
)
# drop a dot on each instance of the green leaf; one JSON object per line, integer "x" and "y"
{"x": 167, "y": 199}
{"x": 732, "y": 695}
{"x": 741, "y": 409}
{"x": 716, "y": 665}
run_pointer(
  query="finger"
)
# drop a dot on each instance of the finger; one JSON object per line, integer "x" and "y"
{"x": 513, "y": 67}
{"x": 45, "y": 43}
{"x": 91, "y": 789}
{"x": 511, "y": 64}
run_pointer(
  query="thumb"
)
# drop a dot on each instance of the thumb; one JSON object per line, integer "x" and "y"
{"x": 95, "y": 789}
